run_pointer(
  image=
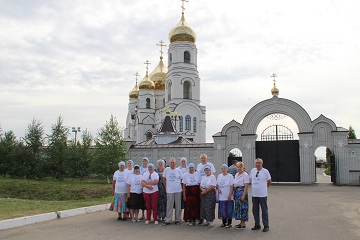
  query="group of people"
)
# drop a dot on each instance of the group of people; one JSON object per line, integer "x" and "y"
{"x": 160, "y": 190}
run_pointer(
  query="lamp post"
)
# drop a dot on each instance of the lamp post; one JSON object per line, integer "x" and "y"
{"x": 174, "y": 116}
{"x": 76, "y": 130}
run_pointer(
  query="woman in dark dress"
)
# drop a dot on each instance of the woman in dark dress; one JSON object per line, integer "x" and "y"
{"x": 162, "y": 193}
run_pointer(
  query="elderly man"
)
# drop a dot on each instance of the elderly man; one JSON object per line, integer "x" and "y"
{"x": 204, "y": 162}
{"x": 261, "y": 180}
{"x": 233, "y": 168}
{"x": 172, "y": 180}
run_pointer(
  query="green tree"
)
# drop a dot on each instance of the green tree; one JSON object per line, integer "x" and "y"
{"x": 110, "y": 148}
{"x": 8, "y": 144}
{"x": 79, "y": 157}
{"x": 351, "y": 134}
{"x": 21, "y": 159}
{"x": 34, "y": 140}
{"x": 57, "y": 149}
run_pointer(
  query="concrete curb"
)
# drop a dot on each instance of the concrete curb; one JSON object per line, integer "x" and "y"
{"x": 22, "y": 221}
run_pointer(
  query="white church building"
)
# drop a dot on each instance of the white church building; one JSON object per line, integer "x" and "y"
{"x": 166, "y": 119}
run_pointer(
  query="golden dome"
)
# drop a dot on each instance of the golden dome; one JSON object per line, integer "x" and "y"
{"x": 158, "y": 76}
{"x": 275, "y": 91}
{"x": 168, "y": 111}
{"x": 182, "y": 32}
{"x": 134, "y": 93}
{"x": 146, "y": 83}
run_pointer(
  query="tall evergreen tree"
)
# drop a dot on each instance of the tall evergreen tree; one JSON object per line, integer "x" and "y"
{"x": 110, "y": 148}
{"x": 8, "y": 144}
{"x": 351, "y": 134}
{"x": 34, "y": 140}
{"x": 57, "y": 150}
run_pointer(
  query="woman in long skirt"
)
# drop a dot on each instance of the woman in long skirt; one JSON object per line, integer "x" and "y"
{"x": 208, "y": 198}
{"x": 191, "y": 195}
{"x": 135, "y": 194}
{"x": 162, "y": 191}
{"x": 241, "y": 185}
{"x": 225, "y": 184}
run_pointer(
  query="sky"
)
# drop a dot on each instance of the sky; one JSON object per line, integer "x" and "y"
{"x": 77, "y": 58}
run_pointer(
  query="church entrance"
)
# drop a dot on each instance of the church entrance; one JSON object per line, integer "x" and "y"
{"x": 280, "y": 153}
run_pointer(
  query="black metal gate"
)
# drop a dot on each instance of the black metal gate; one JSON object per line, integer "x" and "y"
{"x": 333, "y": 169}
{"x": 281, "y": 158}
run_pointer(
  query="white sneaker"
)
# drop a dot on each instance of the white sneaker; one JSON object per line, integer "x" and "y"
{"x": 211, "y": 224}
{"x": 147, "y": 222}
{"x": 190, "y": 223}
{"x": 156, "y": 222}
{"x": 205, "y": 223}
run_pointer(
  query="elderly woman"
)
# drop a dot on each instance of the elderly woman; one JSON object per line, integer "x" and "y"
{"x": 119, "y": 191}
{"x": 129, "y": 166}
{"x": 162, "y": 192}
{"x": 183, "y": 165}
{"x": 191, "y": 195}
{"x": 135, "y": 194}
{"x": 241, "y": 185}
{"x": 225, "y": 182}
{"x": 207, "y": 198}
{"x": 149, "y": 182}
{"x": 144, "y": 166}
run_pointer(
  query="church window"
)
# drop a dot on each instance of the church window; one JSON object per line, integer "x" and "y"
{"x": 187, "y": 90}
{"x": 163, "y": 102}
{"x": 186, "y": 57}
{"x": 169, "y": 91}
{"x": 148, "y": 136}
{"x": 170, "y": 59}
{"x": 148, "y": 103}
{"x": 187, "y": 123}
{"x": 181, "y": 124}
{"x": 194, "y": 124}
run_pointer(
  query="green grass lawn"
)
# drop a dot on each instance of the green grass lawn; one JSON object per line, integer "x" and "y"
{"x": 22, "y": 197}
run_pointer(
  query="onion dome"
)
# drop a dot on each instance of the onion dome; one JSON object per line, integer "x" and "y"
{"x": 275, "y": 91}
{"x": 146, "y": 83}
{"x": 182, "y": 32}
{"x": 134, "y": 93}
{"x": 158, "y": 76}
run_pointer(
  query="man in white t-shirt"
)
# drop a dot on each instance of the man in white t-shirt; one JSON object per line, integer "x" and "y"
{"x": 172, "y": 181}
{"x": 204, "y": 162}
{"x": 261, "y": 180}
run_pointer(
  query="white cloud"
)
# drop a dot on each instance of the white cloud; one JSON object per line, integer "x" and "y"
{"x": 77, "y": 58}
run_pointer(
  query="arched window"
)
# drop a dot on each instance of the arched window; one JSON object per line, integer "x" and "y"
{"x": 170, "y": 59}
{"x": 181, "y": 124}
{"x": 163, "y": 102}
{"x": 148, "y": 103}
{"x": 148, "y": 136}
{"x": 194, "y": 124}
{"x": 169, "y": 90}
{"x": 186, "y": 57}
{"x": 187, "y": 123}
{"x": 187, "y": 90}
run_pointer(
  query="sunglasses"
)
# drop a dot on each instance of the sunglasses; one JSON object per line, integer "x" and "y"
{"x": 257, "y": 174}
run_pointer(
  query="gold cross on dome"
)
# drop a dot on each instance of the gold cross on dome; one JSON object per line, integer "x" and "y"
{"x": 183, "y": 5}
{"x": 161, "y": 44}
{"x": 274, "y": 76}
{"x": 147, "y": 65}
{"x": 136, "y": 76}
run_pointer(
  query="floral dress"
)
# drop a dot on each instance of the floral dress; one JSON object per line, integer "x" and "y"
{"x": 162, "y": 198}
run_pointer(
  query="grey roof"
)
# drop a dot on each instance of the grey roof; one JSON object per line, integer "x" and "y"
{"x": 181, "y": 142}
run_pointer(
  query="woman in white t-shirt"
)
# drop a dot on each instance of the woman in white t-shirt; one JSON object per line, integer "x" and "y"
{"x": 207, "y": 198}
{"x": 151, "y": 193}
{"x": 119, "y": 190}
{"x": 130, "y": 166}
{"x": 144, "y": 166}
{"x": 183, "y": 165}
{"x": 225, "y": 182}
{"x": 191, "y": 195}
{"x": 241, "y": 185}
{"x": 135, "y": 195}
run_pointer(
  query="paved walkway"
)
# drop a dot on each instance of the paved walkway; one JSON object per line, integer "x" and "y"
{"x": 320, "y": 211}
